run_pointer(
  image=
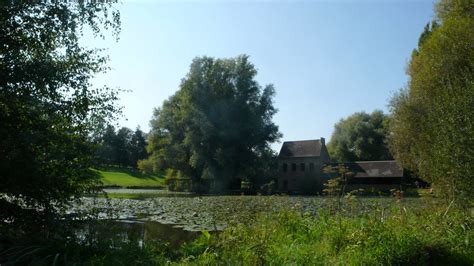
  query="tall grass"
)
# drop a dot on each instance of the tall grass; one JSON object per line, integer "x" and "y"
{"x": 397, "y": 236}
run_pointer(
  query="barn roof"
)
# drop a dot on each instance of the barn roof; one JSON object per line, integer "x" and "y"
{"x": 367, "y": 169}
{"x": 301, "y": 148}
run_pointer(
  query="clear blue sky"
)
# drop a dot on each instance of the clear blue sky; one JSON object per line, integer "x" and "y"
{"x": 326, "y": 59}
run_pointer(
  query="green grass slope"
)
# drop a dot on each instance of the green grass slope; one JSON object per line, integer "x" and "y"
{"x": 129, "y": 178}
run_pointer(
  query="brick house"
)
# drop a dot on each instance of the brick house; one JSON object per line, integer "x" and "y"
{"x": 300, "y": 165}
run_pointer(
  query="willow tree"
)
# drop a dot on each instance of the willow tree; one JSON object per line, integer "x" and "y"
{"x": 360, "y": 137}
{"x": 48, "y": 105}
{"x": 218, "y": 125}
{"x": 432, "y": 129}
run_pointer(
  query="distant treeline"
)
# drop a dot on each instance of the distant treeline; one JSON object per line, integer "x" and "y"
{"x": 123, "y": 147}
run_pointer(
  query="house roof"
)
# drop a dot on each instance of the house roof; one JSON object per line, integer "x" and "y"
{"x": 369, "y": 169}
{"x": 301, "y": 148}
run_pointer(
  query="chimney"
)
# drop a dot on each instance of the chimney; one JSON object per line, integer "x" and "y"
{"x": 323, "y": 141}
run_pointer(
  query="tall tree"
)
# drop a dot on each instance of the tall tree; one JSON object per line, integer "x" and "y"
{"x": 217, "y": 125}
{"x": 360, "y": 137}
{"x": 123, "y": 146}
{"x": 432, "y": 130}
{"x": 138, "y": 147}
{"x": 47, "y": 105}
{"x": 106, "y": 150}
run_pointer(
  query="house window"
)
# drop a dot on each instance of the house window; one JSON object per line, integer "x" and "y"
{"x": 293, "y": 167}
{"x": 311, "y": 167}
{"x": 302, "y": 167}
{"x": 285, "y": 184}
{"x": 285, "y": 167}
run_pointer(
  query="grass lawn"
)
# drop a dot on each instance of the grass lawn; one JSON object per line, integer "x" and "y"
{"x": 130, "y": 178}
{"x": 144, "y": 195}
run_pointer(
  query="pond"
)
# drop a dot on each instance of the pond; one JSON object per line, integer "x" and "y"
{"x": 120, "y": 231}
{"x": 211, "y": 213}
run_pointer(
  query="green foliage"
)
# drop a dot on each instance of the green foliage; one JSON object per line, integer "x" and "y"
{"x": 47, "y": 105}
{"x": 401, "y": 236}
{"x": 337, "y": 181}
{"x": 378, "y": 232}
{"x": 333, "y": 187}
{"x": 265, "y": 171}
{"x": 429, "y": 28}
{"x": 360, "y": 137}
{"x": 75, "y": 254}
{"x": 177, "y": 181}
{"x": 147, "y": 166}
{"x": 122, "y": 148}
{"x": 218, "y": 126}
{"x": 432, "y": 130}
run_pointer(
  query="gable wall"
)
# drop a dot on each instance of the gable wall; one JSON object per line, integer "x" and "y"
{"x": 294, "y": 180}
{"x": 297, "y": 181}
{"x": 325, "y": 155}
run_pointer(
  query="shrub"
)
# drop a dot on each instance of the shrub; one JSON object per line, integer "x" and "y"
{"x": 146, "y": 166}
{"x": 176, "y": 181}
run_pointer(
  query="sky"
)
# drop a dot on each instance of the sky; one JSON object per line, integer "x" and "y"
{"x": 326, "y": 59}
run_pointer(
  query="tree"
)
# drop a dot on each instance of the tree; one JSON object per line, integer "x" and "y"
{"x": 432, "y": 130}
{"x": 47, "y": 105}
{"x": 217, "y": 126}
{"x": 138, "y": 147}
{"x": 122, "y": 148}
{"x": 360, "y": 137}
{"x": 106, "y": 150}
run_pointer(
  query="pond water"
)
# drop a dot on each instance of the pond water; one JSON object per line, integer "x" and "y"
{"x": 133, "y": 231}
{"x": 211, "y": 213}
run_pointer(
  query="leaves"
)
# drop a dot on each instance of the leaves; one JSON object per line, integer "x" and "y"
{"x": 218, "y": 125}
{"x": 123, "y": 148}
{"x": 360, "y": 137}
{"x": 47, "y": 105}
{"x": 433, "y": 119}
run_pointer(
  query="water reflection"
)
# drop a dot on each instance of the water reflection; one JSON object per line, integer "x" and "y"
{"x": 126, "y": 231}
